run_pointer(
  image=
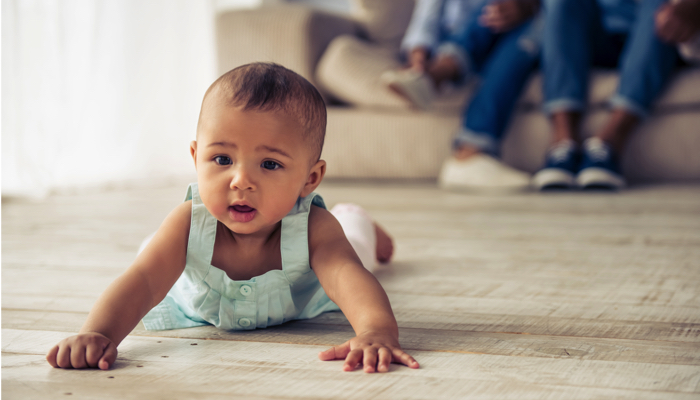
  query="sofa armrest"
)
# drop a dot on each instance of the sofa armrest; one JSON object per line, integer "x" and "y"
{"x": 294, "y": 36}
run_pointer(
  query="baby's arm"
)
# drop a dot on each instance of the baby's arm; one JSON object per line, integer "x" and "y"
{"x": 358, "y": 294}
{"x": 126, "y": 300}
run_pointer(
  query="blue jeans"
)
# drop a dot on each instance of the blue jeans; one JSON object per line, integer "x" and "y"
{"x": 505, "y": 62}
{"x": 575, "y": 39}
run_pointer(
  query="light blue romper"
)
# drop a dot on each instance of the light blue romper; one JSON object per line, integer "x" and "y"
{"x": 205, "y": 295}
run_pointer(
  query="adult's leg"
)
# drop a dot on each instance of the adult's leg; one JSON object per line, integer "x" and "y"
{"x": 505, "y": 72}
{"x": 451, "y": 62}
{"x": 646, "y": 65}
{"x": 567, "y": 54}
{"x": 571, "y": 29}
{"x": 468, "y": 49}
{"x": 504, "y": 75}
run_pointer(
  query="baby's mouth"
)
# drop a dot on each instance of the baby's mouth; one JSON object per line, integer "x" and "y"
{"x": 241, "y": 213}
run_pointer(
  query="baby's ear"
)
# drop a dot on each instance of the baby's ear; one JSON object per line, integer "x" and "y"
{"x": 193, "y": 152}
{"x": 315, "y": 177}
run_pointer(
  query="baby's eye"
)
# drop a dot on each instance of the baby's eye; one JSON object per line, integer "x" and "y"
{"x": 271, "y": 165}
{"x": 222, "y": 160}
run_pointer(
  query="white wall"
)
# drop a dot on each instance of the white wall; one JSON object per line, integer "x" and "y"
{"x": 99, "y": 91}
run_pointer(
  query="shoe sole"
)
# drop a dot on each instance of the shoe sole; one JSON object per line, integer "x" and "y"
{"x": 599, "y": 178}
{"x": 494, "y": 189}
{"x": 481, "y": 174}
{"x": 553, "y": 178}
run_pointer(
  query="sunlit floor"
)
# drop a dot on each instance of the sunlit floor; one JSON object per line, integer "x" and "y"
{"x": 563, "y": 295}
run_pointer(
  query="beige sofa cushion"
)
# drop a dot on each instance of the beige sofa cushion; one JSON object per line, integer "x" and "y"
{"x": 350, "y": 69}
{"x": 367, "y": 143}
{"x": 292, "y": 35}
{"x": 384, "y": 21}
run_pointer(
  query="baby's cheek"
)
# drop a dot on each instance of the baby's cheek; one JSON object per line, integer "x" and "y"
{"x": 282, "y": 206}
{"x": 214, "y": 205}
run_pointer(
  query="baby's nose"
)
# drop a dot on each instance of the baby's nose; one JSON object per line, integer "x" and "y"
{"x": 242, "y": 179}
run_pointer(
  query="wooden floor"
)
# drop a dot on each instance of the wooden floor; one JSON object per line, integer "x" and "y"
{"x": 568, "y": 295}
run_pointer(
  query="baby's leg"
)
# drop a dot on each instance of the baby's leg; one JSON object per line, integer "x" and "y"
{"x": 371, "y": 243}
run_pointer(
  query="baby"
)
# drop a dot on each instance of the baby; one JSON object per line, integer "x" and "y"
{"x": 252, "y": 245}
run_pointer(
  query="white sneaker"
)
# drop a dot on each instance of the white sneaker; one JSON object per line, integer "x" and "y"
{"x": 481, "y": 172}
{"x": 412, "y": 85}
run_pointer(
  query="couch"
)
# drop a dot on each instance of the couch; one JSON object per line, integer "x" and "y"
{"x": 374, "y": 134}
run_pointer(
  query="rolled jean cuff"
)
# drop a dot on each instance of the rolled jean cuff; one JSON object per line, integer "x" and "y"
{"x": 457, "y": 52}
{"x": 482, "y": 141}
{"x": 619, "y": 101}
{"x": 563, "y": 104}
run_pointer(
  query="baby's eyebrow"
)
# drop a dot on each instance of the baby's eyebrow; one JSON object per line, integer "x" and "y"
{"x": 225, "y": 144}
{"x": 274, "y": 150}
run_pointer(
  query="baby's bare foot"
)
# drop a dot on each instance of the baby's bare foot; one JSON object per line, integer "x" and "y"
{"x": 385, "y": 245}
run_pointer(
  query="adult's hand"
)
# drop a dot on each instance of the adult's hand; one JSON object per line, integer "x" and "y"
{"x": 418, "y": 59}
{"x": 678, "y": 22}
{"x": 505, "y": 15}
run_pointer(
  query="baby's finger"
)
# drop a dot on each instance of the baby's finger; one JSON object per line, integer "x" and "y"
{"x": 335, "y": 352}
{"x": 93, "y": 354}
{"x": 77, "y": 356}
{"x": 63, "y": 356}
{"x": 369, "y": 359}
{"x": 51, "y": 356}
{"x": 384, "y": 360}
{"x": 402, "y": 357}
{"x": 109, "y": 356}
{"x": 351, "y": 361}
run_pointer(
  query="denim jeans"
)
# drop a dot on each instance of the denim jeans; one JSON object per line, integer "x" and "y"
{"x": 575, "y": 39}
{"x": 436, "y": 21}
{"x": 505, "y": 62}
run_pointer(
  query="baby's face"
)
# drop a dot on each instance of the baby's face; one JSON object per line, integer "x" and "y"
{"x": 252, "y": 166}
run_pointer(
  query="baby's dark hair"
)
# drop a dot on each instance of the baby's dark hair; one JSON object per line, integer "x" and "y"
{"x": 272, "y": 87}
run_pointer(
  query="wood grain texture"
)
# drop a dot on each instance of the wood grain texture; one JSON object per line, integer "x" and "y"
{"x": 562, "y": 296}
{"x": 245, "y": 367}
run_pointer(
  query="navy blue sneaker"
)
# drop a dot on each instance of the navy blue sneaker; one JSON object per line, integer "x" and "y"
{"x": 600, "y": 167}
{"x": 561, "y": 166}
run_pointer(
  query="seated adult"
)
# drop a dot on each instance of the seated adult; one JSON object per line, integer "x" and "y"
{"x": 450, "y": 41}
{"x": 639, "y": 38}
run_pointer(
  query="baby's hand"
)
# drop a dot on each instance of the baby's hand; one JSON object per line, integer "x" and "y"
{"x": 86, "y": 350}
{"x": 375, "y": 350}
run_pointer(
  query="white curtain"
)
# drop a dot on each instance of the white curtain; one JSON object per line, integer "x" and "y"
{"x": 101, "y": 91}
